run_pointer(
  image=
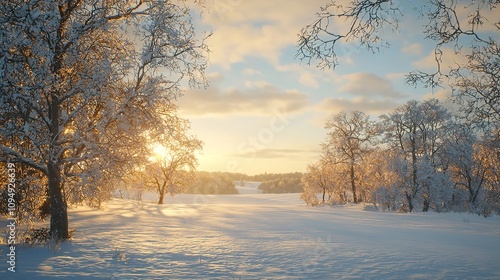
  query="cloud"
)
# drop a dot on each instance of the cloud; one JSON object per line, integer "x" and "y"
{"x": 308, "y": 80}
{"x": 250, "y": 72}
{"x": 309, "y": 75}
{"x": 364, "y": 92}
{"x": 278, "y": 153}
{"x": 261, "y": 99}
{"x": 444, "y": 95}
{"x": 449, "y": 59}
{"x": 395, "y": 76}
{"x": 369, "y": 106}
{"x": 257, "y": 84}
{"x": 368, "y": 84}
{"x": 255, "y": 29}
{"x": 413, "y": 49}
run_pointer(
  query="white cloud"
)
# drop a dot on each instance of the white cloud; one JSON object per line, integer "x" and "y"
{"x": 443, "y": 95}
{"x": 308, "y": 80}
{"x": 368, "y": 85}
{"x": 369, "y": 106}
{"x": 250, "y": 72}
{"x": 449, "y": 59}
{"x": 263, "y": 99}
{"x": 305, "y": 74}
{"x": 413, "y": 49}
{"x": 244, "y": 29}
{"x": 257, "y": 84}
{"x": 395, "y": 76}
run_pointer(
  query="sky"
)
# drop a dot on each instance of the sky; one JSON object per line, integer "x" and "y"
{"x": 264, "y": 110}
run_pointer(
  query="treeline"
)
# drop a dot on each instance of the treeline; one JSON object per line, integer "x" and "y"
{"x": 214, "y": 183}
{"x": 225, "y": 182}
{"x": 280, "y": 183}
{"x": 419, "y": 157}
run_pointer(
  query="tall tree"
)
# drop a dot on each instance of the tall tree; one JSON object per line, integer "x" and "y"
{"x": 417, "y": 131}
{"x": 83, "y": 85}
{"x": 348, "y": 140}
{"x": 475, "y": 172}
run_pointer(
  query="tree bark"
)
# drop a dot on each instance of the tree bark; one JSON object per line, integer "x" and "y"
{"x": 353, "y": 184}
{"x": 426, "y": 205}
{"x": 409, "y": 200}
{"x": 162, "y": 193}
{"x": 58, "y": 208}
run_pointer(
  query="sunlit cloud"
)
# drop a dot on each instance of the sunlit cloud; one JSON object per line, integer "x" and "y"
{"x": 309, "y": 80}
{"x": 413, "y": 49}
{"x": 309, "y": 75}
{"x": 251, "y": 72}
{"x": 257, "y": 99}
{"x": 253, "y": 29}
{"x": 449, "y": 59}
{"x": 278, "y": 153}
{"x": 444, "y": 96}
{"x": 369, "y": 106}
{"x": 368, "y": 84}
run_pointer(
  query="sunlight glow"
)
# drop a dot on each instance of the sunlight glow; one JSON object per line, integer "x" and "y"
{"x": 159, "y": 152}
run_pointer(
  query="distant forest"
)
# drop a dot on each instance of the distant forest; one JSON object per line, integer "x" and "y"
{"x": 280, "y": 182}
{"x": 224, "y": 182}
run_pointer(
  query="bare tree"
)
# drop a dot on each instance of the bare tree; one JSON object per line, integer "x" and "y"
{"x": 467, "y": 27}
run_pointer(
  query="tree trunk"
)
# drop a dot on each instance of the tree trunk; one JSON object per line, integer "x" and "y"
{"x": 160, "y": 201}
{"x": 426, "y": 205}
{"x": 409, "y": 200}
{"x": 353, "y": 184}
{"x": 58, "y": 208}
{"x": 162, "y": 193}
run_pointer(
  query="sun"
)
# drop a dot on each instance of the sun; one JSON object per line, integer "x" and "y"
{"x": 159, "y": 151}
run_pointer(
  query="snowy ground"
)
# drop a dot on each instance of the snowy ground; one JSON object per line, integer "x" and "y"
{"x": 248, "y": 187}
{"x": 257, "y": 236}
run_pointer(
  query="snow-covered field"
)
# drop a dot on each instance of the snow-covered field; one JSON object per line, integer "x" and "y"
{"x": 258, "y": 236}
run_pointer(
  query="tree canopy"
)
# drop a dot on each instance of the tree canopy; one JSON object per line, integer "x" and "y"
{"x": 85, "y": 85}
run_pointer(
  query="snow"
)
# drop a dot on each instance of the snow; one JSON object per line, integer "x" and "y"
{"x": 263, "y": 236}
{"x": 248, "y": 187}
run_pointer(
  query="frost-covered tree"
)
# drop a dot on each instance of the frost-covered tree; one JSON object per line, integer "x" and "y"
{"x": 374, "y": 174}
{"x": 473, "y": 165}
{"x": 85, "y": 84}
{"x": 417, "y": 131}
{"x": 349, "y": 138}
{"x": 174, "y": 162}
{"x": 316, "y": 180}
{"x": 327, "y": 179}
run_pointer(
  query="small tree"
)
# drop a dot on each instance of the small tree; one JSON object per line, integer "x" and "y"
{"x": 174, "y": 162}
{"x": 316, "y": 180}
